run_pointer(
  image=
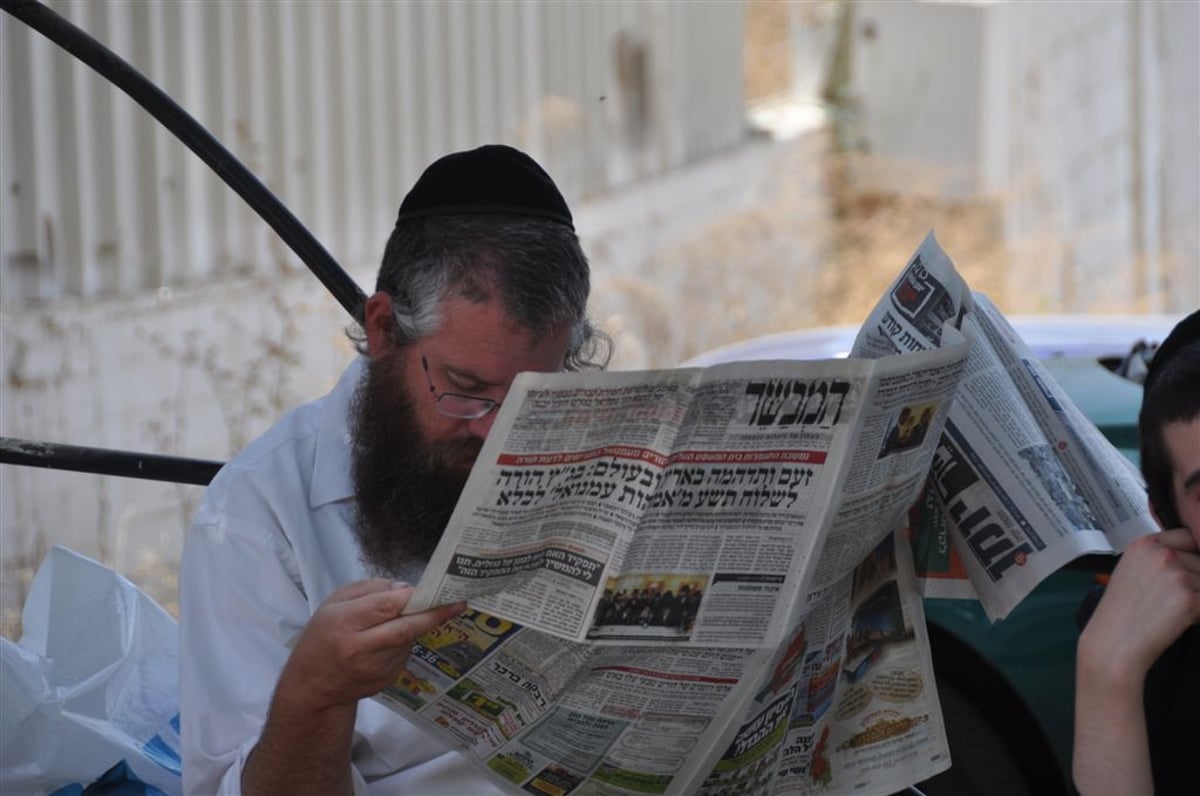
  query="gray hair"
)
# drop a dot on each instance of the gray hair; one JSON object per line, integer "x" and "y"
{"x": 535, "y": 268}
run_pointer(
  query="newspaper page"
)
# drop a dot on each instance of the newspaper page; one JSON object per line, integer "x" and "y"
{"x": 846, "y": 704}
{"x": 688, "y": 507}
{"x": 686, "y": 581}
{"x": 541, "y": 714}
{"x": 1025, "y": 481}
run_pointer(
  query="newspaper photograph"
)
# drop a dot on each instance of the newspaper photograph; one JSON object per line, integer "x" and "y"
{"x": 1025, "y": 482}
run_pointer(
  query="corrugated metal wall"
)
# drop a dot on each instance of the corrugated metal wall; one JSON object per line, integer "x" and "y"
{"x": 336, "y": 106}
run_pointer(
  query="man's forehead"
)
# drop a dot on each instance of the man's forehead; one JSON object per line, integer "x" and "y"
{"x": 459, "y": 318}
{"x": 482, "y": 339}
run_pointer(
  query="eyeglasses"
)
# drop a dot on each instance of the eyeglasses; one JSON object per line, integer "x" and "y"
{"x": 452, "y": 404}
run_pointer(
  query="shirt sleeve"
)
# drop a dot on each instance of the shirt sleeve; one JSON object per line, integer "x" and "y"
{"x": 241, "y": 605}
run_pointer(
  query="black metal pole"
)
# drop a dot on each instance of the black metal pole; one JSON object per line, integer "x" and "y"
{"x": 108, "y": 462}
{"x": 121, "y": 74}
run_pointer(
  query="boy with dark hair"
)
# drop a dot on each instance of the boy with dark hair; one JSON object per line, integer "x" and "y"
{"x": 1138, "y": 661}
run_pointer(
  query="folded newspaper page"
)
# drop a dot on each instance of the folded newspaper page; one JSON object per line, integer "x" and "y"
{"x": 693, "y": 507}
{"x": 845, "y": 704}
{"x": 1023, "y": 481}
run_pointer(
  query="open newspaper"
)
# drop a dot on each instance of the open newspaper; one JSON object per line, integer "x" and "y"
{"x": 686, "y": 581}
{"x": 700, "y": 581}
{"x": 1022, "y": 482}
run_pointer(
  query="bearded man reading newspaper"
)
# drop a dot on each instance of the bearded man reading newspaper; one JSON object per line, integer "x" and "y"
{"x": 283, "y": 631}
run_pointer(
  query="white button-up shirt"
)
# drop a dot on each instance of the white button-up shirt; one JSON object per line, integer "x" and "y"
{"x": 272, "y": 539}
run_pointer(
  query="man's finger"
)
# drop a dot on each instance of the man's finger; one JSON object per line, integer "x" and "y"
{"x": 371, "y": 609}
{"x": 403, "y": 630}
{"x": 1189, "y": 561}
{"x": 359, "y": 588}
{"x": 1177, "y": 539}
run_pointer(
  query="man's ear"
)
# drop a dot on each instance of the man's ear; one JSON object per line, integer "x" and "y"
{"x": 378, "y": 324}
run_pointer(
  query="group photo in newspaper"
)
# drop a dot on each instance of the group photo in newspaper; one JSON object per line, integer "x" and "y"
{"x": 703, "y": 581}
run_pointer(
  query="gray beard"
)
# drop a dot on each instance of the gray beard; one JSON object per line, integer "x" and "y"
{"x": 406, "y": 487}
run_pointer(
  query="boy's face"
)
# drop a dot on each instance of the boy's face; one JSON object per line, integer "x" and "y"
{"x": 1182, "y": 440}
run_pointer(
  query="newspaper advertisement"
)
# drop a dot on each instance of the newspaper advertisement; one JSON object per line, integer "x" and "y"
{"x": 543, "y": 714}
{"x": 693, "y": 507}
{"x": 1024, "y": 481}
{"x": 846, "y": 704}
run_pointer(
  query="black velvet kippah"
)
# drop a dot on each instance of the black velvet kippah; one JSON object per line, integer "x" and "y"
{"x": 1185, "y": 333}
{"x": 489, "y": 180}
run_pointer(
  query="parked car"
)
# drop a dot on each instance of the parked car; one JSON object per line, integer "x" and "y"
{"x": 1007, "y": 687}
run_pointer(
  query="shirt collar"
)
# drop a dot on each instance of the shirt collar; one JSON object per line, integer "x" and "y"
{"x": 331, "y": 469}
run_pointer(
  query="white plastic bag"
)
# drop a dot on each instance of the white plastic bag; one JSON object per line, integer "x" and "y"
{"x": 94, "y": 681}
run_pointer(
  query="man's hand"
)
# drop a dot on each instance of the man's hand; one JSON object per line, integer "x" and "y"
{"x": 354, "y": 646}
{"x": 1152, "y": 598}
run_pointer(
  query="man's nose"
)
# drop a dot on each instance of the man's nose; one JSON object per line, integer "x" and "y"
{"x": 481, "y": 426}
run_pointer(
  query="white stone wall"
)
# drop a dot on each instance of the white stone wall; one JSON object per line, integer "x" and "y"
{"x": 193, "y": 373}
{"x": 1081, "y": 119}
